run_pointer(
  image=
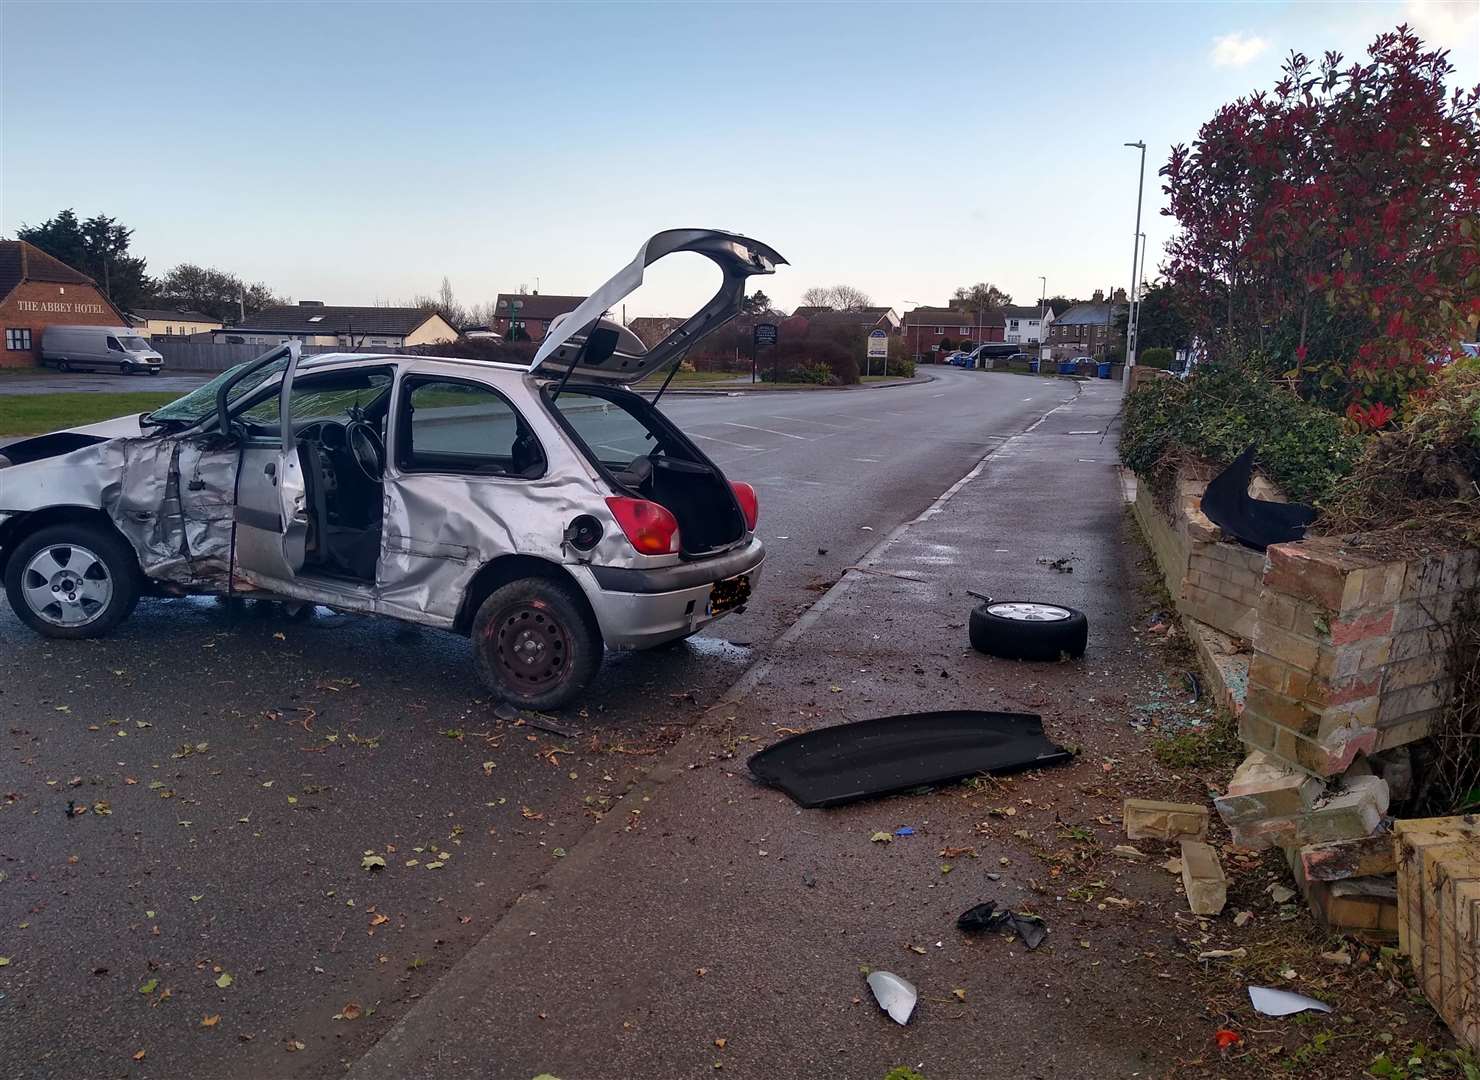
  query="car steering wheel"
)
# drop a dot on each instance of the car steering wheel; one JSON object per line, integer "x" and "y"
{"x": 366, "y": 448}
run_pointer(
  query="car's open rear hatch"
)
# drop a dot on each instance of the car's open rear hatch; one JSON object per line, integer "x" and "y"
{"x": 738, "y": 259}
{"x": 841, "y": 764}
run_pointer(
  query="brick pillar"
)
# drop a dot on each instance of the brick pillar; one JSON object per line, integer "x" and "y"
{"x": 1350, "y": 651}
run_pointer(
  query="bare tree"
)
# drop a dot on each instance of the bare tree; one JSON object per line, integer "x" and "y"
{"x": 444, "y": 304}
{"x": 837, "y": 297}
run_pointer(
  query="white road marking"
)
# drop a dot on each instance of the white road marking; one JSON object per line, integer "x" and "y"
{"x": 1084, "y": 433}
{"x": 870, "y": 460}
{"x": 799, "y": 420}
{"x": 768, "y": 431}
{"x": 726, "y": 442}
{"x": 937, "y": 395}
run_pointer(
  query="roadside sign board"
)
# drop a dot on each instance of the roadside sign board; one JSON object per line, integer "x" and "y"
{"x": 765, "y": 333}
{"x": 878, "y": 345}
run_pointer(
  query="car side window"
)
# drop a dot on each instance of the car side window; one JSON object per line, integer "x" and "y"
{"x": 114, "y": 346}
{"x": 333, "y": 397}
{"x": 451, "y": 426}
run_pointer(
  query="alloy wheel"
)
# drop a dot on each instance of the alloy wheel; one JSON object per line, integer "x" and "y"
{"x": 67, "y": 585}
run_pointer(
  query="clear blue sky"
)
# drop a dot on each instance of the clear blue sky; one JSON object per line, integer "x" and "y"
{"x": 356, "y": 152}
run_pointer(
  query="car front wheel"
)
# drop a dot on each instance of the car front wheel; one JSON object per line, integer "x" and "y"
{"x": 72, "y": 581}
{"x": 535, "y": 643}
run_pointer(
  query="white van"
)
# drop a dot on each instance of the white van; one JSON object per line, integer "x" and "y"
{"x": 98, "y": 348}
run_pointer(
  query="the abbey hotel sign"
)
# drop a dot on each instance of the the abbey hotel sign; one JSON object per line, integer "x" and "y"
{"x": 61, "y": 307}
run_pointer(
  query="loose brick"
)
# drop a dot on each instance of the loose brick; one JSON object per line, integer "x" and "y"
{"x": 1347, "y": 814}
{"x": 1203, "y": 879}
{"x": 1350, "y": 905}
{"x": 1147, "y": 819}
{"x": 1263, "y": 787}
{"x": 1362, "y": 856}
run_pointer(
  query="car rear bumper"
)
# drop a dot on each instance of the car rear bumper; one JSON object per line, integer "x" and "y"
{"x": 638, "y": 609}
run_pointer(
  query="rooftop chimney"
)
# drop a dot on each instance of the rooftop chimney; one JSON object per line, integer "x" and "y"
{"x": 310, "y": 303}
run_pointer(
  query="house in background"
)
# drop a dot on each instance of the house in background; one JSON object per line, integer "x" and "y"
{"x": 651, "y": 329}
{"x": 869, "y": 318}
{"x": 1089, "y": 329}
{"x": 1027, "y": 325}
{"x": 37, "y": 291}
{"x": 926, "y": 327}
{"x": 531, "y": 313}
{"x": 162, "y": 322}
{"x": 807, "y": 319}
{"x": 314, "y": 323}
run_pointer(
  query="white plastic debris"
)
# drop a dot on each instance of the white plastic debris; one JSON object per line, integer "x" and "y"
{"x": 894, "y": 995}
{"x": 1272, "y": 1002}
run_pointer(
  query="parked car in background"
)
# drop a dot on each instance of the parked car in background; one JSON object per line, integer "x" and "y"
{"x": 540, "y": 507}
{"x": 98, "y": 348}
{"x": 959, "y": 359}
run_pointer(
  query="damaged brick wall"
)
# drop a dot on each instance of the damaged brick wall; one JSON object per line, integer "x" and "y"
{"x": 1350, "y": 651}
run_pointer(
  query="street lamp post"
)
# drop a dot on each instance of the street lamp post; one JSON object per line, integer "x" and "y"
{"x": 1042, "y": 312}
{"x": 1130, "y": 336}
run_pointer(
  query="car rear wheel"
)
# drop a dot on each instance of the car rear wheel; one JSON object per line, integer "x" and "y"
{"x": 1028, "y": 630}
{"x": 535, "y": 643}
{"x": 72, "y": 581}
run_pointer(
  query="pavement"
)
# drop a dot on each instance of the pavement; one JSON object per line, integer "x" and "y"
{"x": 235, "y": 767}
{"x": 710, "y": 924}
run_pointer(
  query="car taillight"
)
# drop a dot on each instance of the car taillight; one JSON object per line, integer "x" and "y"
{"x": 749, "y": 505}
{"x": 650, "y": 528}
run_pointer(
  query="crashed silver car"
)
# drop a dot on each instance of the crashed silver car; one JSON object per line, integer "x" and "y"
{"x": 545, "y": 509}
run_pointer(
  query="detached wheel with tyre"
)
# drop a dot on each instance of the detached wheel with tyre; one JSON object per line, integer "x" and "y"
{"x": 536, "y": 644}
{"x": 73, "y": 580}
{"x": 1027, "y": 630}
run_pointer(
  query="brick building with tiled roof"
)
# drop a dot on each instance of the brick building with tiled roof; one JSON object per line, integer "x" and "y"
{"x": 37, "y": 291}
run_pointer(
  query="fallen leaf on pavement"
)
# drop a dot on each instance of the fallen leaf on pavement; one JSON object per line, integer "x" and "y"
{"x": 352, "y": 1011}
{"x": 149, "y": 987}
{"x": 959, "y": 995}
{"x": 372, "y": 862}
{"x": 294, "y": 1044}
{"x": 882, "y": 838}
{"x": 380, "y": 920}
{"x": 140, "y": 1055}
{"x": 223, "y": 980}
{"x": 210, "y": 1021}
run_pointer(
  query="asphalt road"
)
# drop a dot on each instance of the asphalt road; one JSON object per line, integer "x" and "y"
{"x": 211, "y": 908}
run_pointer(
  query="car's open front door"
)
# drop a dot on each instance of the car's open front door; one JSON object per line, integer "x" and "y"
{"x": 272, "y": 512}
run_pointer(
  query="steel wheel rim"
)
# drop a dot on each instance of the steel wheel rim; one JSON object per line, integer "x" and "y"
{"x": 67, "y": 585}
{"x": 1023, "y": 611}
{"x": 532, "y": 646}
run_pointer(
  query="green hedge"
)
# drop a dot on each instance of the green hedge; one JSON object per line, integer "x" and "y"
{"x": 1157, "y": 358}
{"x": 1218, "y": 411}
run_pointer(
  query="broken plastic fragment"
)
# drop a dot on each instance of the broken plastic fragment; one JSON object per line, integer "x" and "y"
{"x": 894, "y": 995}
{"x": 870, "y": 758}
{"x": 1272, "y": 1002}
{"x": 1030, "y": 928}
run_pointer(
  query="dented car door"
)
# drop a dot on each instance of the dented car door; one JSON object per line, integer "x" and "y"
{"x": 272, "y": 499}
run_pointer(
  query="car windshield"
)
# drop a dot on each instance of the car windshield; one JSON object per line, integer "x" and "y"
{"x": 201, "y": 402}
{"x": 134, "y": 344}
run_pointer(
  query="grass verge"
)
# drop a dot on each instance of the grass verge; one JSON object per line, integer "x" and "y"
{"x": 34, "y": 414}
